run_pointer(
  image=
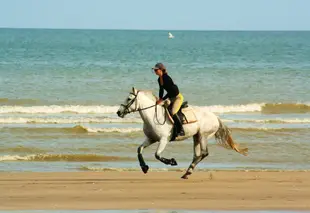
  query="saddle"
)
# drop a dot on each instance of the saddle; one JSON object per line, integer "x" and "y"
{"x": 186, "y": 115}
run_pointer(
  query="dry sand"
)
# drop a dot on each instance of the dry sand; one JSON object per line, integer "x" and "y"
{"x": 217, "y": 190}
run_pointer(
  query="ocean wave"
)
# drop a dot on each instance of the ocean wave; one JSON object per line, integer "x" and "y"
{"x": 70, "y": 149}
{"x": 69, "y": 130}
{"x": 21, "y": 149}
{"x": 8, "y": 101}
{"x": 129, "y": 120}
{"x": 79, "y": 129}
{"x": 72, "y": 120}
{"x": 280, "y": 108}
{"x": 268, "y": 108}
{"x": 270, "y": 121}
{"x": 255, "y": 107}
{"x": 113, "y": 130}
{"x": 271, "y": 130}
{"x": 56, "y": 109}
{"x": 66, "y": 157}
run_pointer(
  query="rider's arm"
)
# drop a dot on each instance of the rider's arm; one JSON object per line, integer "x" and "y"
{"x": 167, "y": 81}
{"x": 165, "y": 97}
{"x": 161, "y": 91}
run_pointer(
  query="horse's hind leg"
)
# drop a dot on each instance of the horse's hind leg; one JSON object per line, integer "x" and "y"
{"x": 200, "y": 152}
{"x": 196, "y": 156}
{"x": 143, "y": 165}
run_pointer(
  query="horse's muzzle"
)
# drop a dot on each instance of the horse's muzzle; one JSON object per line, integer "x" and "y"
{"x": 120, "y": 114}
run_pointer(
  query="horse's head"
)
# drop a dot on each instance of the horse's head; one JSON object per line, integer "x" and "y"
{"x": 129, "y": 105}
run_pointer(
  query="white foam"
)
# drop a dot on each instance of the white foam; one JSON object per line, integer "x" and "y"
{"x": 102, "y": 109}
{"x": 109, "y": 130}
{"x": 51, "y": 120}
{"x": 129, "y": 120}
{"x": 52, "y": 109}
{"x": 255, "y": 107}
{"x": 15, "y": 158}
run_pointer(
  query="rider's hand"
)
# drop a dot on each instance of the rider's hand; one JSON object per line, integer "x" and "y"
{"x": 159, "y": 101}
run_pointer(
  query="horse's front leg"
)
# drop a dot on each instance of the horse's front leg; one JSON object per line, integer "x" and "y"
{"x": 143, "y": 165}
{"x": 162, "y": 145}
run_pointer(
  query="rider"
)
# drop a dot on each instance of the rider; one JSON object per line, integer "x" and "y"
{"x": 166, "y": 83}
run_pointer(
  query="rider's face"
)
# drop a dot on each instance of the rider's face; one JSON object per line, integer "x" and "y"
{"x": 158, "y": 72}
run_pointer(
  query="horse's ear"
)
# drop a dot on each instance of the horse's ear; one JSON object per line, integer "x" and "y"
{"x": 134, "y": 90}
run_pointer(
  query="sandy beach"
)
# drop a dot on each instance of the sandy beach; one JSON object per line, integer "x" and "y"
{"x": 216, "y": 190}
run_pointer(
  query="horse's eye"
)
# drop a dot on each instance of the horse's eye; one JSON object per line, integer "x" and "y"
{"x": 128, "y": 99}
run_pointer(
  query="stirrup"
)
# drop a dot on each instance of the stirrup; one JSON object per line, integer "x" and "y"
{"x": 181, "y": 133}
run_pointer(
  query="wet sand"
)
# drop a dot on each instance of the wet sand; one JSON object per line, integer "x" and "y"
{"x": 216, "y": 190}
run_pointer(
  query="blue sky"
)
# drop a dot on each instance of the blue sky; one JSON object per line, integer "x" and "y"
{"x": 157, "y": 14}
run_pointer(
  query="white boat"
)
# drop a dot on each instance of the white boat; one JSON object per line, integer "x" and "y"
{"x": 170, "y": 35}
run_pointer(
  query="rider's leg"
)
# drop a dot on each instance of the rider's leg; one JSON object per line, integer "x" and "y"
{"x": 178, "y": 124}
{"x": 175, "y": 108}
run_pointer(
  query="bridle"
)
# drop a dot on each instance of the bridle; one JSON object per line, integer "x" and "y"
{"x": 136, "y": 109}
{"x": 127, "y": 111}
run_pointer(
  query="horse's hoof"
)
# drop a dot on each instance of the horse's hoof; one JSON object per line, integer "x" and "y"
{"x": 145, "y": 168}
{"x": 184, "y": 176}
{"x": 173, "y": 162}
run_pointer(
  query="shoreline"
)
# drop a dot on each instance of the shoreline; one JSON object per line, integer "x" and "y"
{"x": 214, "y": 190}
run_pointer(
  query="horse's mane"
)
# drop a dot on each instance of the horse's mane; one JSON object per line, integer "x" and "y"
{"x": 149, "y": 94}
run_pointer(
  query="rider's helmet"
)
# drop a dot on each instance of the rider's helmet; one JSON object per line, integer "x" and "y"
{"x": 160, "y": 66}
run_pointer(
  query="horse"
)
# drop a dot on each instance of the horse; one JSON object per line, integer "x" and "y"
{"x": 157, "y": 127}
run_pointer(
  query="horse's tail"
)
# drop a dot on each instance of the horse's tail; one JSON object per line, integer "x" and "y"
{"x": 223, "y": 138}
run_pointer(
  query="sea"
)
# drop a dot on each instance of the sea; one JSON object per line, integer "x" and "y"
{"x": 60, "y": 90}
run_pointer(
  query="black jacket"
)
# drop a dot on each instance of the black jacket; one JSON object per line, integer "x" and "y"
{"x": 171, "y": 88}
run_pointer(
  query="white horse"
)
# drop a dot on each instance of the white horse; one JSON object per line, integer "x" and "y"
{"x": 159, "y": 128}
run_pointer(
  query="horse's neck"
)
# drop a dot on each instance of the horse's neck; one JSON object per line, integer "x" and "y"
{"x": 148, "y": 115}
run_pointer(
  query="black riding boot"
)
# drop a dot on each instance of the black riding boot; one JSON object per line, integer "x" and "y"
{"x": 178, "y": 124}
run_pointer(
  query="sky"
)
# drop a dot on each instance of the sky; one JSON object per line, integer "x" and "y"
{"x": 157, "y": 14}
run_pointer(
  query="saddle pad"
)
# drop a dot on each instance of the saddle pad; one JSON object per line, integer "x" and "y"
{"x": 189, "y": 115}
